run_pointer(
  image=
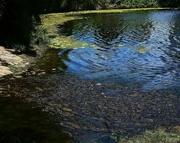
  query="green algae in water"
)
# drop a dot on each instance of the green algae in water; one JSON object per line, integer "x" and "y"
{"x": 68, "y": 42}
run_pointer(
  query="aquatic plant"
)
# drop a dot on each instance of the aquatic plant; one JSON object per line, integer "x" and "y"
{"x": 150, "y": 137}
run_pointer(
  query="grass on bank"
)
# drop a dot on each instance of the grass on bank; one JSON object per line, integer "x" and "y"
{"x": 151, "y": 137}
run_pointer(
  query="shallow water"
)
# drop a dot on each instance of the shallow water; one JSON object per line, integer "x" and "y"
{"x": 97, "y": 89}
{"x": 92, "y": 112}
{"x": 22, "y": 121}
{"x": 133, "y": 61}
{"x": 130, "y": 48}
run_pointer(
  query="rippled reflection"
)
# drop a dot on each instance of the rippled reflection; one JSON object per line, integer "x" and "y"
{"x": 140, "y": 48}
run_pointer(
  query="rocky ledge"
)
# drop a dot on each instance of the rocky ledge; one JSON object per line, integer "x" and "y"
{"x": 9, "y": 61}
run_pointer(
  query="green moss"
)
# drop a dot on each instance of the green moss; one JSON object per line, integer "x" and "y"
{"x": 55, "y": 18}
{"x": 49, "y": 22}
{"x": 152, "y": 137}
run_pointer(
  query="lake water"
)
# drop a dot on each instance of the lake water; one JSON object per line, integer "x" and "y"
{"x": 135, "y": 48}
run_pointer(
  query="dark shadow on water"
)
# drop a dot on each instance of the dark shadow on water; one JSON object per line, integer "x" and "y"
{"x": 21, "y": 123}
{"x": 51, "y": 63}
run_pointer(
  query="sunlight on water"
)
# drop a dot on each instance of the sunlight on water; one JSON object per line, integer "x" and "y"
{"x": 130, "y": 48}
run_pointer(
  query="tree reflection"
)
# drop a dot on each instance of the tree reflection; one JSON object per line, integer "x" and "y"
{"x": 139, "y": 47}
{"x": 53, "y": 60}
{"x": 108, "y": 29}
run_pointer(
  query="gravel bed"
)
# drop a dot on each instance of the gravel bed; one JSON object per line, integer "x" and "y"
{"x": 87, "y": 108}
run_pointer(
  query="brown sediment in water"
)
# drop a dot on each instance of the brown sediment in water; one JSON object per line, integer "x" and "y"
{"x": 87, "y": 107}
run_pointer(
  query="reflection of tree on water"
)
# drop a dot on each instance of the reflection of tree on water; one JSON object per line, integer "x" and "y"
{"x": 66, "y": 28}
{"x": 108, "y": 29}
{"x": 53, "y": 60}
{"x": 131, "y": 47}
{"x": 94, "y": 30}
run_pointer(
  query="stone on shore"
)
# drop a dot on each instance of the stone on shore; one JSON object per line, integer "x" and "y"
{"x": 4, "y": 71}
{"x": 8, "y": 58}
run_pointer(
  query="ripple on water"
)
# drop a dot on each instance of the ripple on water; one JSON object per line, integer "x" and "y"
{"x": 131, "y": 48}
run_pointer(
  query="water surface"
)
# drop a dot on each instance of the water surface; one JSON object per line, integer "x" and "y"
{"x": 130, "y": 48}
{"x": 133, "y": 49}
{"x": 23, "y": 122}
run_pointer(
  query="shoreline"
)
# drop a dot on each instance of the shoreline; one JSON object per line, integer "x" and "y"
{"x": 67, "y": 16}
{"x": 97, "y": 110}
{"x": 15, "y": 64}
{"x": 9, "y": 61}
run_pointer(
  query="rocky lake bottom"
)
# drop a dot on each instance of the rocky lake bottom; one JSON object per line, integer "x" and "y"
{"x": 91, "y": 110}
